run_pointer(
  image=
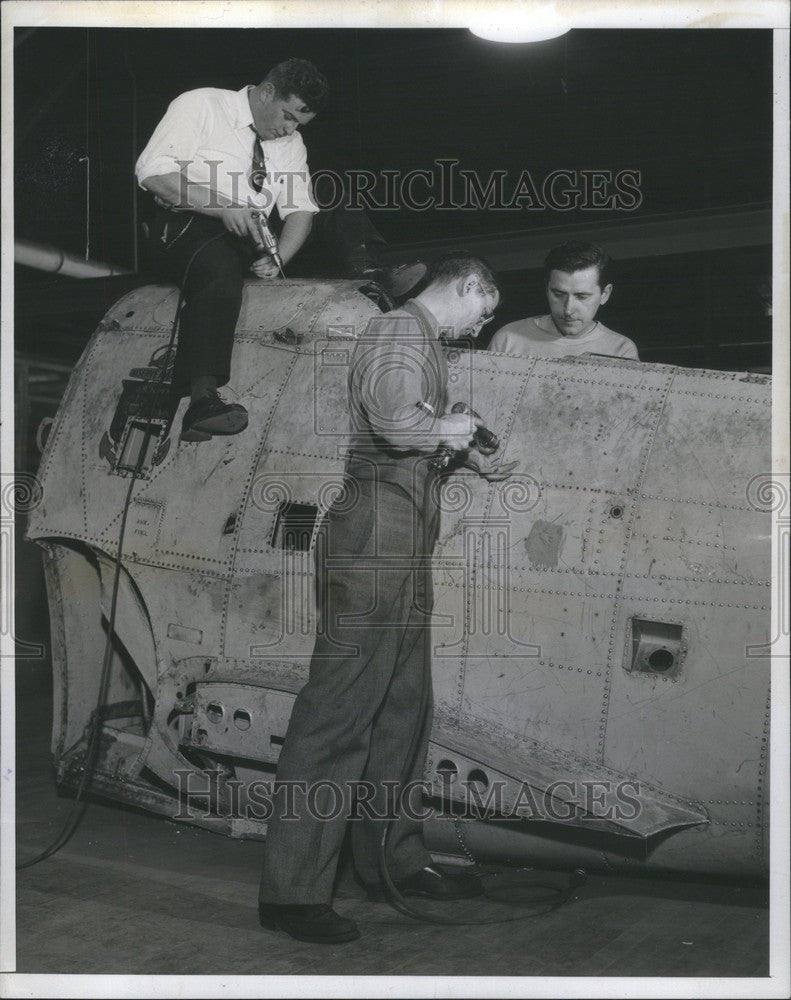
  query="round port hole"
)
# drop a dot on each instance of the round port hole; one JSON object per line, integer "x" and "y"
{"x": 661, "y": 659}
{"x": 447, "y": 771}
{"x": 214, "y": 712}
{"x": 242, "y": 720}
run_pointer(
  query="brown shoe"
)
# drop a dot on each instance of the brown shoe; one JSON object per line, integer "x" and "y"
{"x": 316, "y": 922}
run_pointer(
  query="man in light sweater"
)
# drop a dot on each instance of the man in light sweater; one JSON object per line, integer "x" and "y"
{"x": 576, "y": 282}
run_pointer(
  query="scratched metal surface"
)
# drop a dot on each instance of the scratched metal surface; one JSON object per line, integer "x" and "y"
{"x": 630, "y": 502}
{"x": 637, "y": 505}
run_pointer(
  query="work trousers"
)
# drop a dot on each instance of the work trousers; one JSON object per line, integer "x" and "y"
{"x": 212, "y": 291}
{"x": 365, "y": 713}
{"x": 342, "y": 243}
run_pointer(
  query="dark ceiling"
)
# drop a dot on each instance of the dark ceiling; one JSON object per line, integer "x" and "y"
{"x": 690, "y": 110}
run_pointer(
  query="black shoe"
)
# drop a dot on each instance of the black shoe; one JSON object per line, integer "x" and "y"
{"x": 316, "y": 922}
{"x": 212, "y": 415}
{"x": 397, "y": 281}
{"x": 433, "y": 882}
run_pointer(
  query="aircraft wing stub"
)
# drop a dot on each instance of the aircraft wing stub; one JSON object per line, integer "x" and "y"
{"x": 531, "y": 780}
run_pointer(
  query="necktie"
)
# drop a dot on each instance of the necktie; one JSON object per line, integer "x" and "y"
{"x": 258, "y": 172}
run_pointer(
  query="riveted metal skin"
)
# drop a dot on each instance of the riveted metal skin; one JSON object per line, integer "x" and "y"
{"x": 629, "y": 504}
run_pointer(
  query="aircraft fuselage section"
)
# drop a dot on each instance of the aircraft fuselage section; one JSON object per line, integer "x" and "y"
{"x": 599, "y": 618}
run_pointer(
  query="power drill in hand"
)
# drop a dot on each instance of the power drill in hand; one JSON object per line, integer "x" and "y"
{"x": 268, "y": 238}
{"x": 484, "y": 440}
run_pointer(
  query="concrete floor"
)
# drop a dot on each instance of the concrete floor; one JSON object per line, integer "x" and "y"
{"x": 131, "y": 893}
{"x": 136, "y": 894}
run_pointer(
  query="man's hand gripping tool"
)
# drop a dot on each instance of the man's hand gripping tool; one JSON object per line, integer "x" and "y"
{"x": 484, "y": 440}
{"x": 268, "y": 238}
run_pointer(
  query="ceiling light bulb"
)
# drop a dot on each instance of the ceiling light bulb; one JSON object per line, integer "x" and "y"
{"x": 510, "y": 24}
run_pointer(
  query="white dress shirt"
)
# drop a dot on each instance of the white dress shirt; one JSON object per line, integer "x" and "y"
{"x": 207, "y": 134}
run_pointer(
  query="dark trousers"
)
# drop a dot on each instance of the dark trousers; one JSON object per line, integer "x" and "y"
{"x": 340, "y": 245}
{"x": 365, "y": 713}
{"x": 212, "y": 292}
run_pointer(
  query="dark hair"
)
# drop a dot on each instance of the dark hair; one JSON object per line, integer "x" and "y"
{"x": 299, "y": 78}
{"x": 452, "y": 266}
{"x": 577, "y": 256}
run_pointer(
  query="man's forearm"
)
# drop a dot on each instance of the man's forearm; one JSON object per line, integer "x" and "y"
{"x": 296, "y": 229}
{"x": 183, "y": 195}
